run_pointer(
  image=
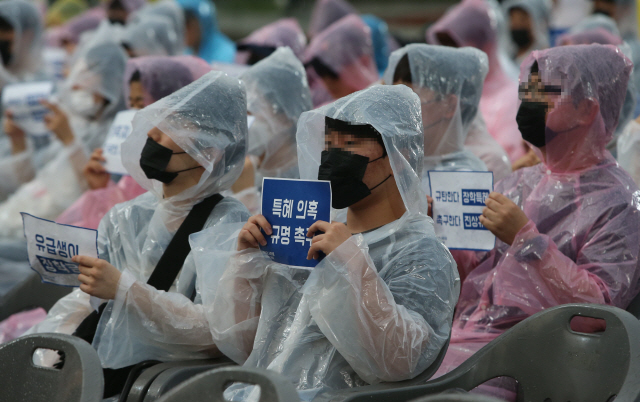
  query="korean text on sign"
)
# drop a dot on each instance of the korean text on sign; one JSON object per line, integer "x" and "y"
{"x": 119, "y": 131}
{"x": 458, "y": 201}
{"x": 51, "y": 246}
{"x": 291, "y": 207}
{"x": 24, "y": 103}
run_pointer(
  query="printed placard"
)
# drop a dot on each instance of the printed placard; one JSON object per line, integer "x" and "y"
{"x": 23, "y": 100}
{"x": 51, "y": 246}
{"x": 291, "y": 207}
{"x": 55, "y": 60}
{"x": 458, "y": 201}
{"x": 119, "y": 131}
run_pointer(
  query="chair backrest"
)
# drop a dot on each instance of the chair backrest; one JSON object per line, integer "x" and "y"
{"x": 78, "y": 380}
{"x": 550, "y": 361}
{"x": 210, "y": 386}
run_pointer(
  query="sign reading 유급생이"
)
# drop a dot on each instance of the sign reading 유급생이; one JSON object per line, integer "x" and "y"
{"x": 291, "y": 207}
{"x": 458, "y": 201}
{"x": 23, "y": 100}
{"x": 51, "y": 246}
{"x": 119, "y": 131}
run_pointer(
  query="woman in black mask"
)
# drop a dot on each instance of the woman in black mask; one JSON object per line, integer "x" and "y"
{"x": 185, "y": 149}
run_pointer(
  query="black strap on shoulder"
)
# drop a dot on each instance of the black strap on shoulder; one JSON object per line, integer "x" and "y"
{"x": 172, "y": 259}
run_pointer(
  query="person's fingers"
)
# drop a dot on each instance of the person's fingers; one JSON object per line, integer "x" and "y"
{"x": 493, "y": 205}
{"x": 247, "y": 238}
{"x": 317, "y": 238}
{"x": 86, "y": 260}
{"x": 51, "y": 106}
{"x": 318, "y": 226}
{"x": 488, "y": 224}
{"x": 490, "y": 214}
{"x": 501, "y": 199}
{"x": 262, "y": 222}
{"x": 86, "y": 279}
{"x": 257, "y": 234}
{"x": 314, "y": 251}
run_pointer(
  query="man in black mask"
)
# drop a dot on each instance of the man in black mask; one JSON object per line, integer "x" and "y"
{"x": 528, "y": 25}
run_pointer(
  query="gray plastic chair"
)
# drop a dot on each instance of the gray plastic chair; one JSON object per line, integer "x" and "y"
{"x": 158, "y": 379}
{"x": 210, "y": 386}
{"x": 550, "y": 361}
{"x": 79, "y": 380}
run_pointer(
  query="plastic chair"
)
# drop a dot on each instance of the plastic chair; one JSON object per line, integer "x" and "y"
{"x": 79, "y": 380}
{"x": 158, "y": 378}
{"x": 550, "y": 361}
{"x": 209, "y": 386}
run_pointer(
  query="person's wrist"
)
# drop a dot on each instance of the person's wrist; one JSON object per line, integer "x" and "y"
{"x": 18, "y": 145}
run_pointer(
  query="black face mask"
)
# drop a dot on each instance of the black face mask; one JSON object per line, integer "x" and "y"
{"x": 521, "y": 37}
{"x": 154, "y": 160}
{"x": 345, "y": 171}
{"x": 116, "y": 21}
{"x": 531, "y": 119}
{"x": 5, "y": 52}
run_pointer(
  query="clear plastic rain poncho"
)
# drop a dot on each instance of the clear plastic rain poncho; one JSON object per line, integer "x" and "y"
{"x": 438, "y": 74}
{"x": 152, "y": 36}
{"x": 277, "y": 94}
{"x": 26, "y": 49}
{"x": 378, "y": 308}
{"x": 85, "y": 22}
{"x": 160, "y": 76}
{"x": 326, "y": 12}
{"x": 582, "y": 242}
{"x": 604, "y": 37}
{"x": 381, "y": 40}
{"x": 347, "y": 49}
{"x": 283, "y": 32}
{"x": 53, "y": 177}
{"x": 626, "y": 18}
{"x": 539, "y": 13}
{"x": 471, "y": 23}
{"x": 214, "y": 45}
{"x": 208, "y": 120}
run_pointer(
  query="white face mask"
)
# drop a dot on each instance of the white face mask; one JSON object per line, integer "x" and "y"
{"x": 83, "y": 103}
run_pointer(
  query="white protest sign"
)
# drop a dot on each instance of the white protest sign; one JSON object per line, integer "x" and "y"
{"x": 51, "y": 246}
{"x": 23, "y": 100}
{"x": 55, "y": 59}
{"x": 119, "y": 131}
{"x": 458, "y": 201}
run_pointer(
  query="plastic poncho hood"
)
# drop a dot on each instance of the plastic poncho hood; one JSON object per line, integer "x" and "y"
{"x": 539, "y": 12}
{"x": 593, "y": 80}
{"x": 214, "y": 45}
{"x": 207, "y": 119}
{"x": 445, "y": 71}
{"x": 326, "y": 12}
{"x": 281, "y": 33}
{"x": 27, "y": 27}
{"x": 392, "y": 110}
{"x": 152, "y": 36}
{"x": 277, "y": 94}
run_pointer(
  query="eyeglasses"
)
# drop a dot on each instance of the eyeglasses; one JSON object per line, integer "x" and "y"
{"x": 527, "y": 90}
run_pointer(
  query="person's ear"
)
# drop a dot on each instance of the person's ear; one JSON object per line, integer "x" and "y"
{"x": 588, "y": 109}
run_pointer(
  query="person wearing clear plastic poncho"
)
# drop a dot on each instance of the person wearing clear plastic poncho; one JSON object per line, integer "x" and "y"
{"x": 528, "y": 26}
{"x": 202, "y": 34}
{"x": 204, "y": 126}
{"x": 20, "y": 41}
{"x": 147, "y": 80}
{"x": 277, "y": 94}
{"x": 151, "y": 35}
{"x": 52, "y": 177}
{"x": 472, "y": 23}
{"x": 449, "y": 84}
{"x": 568, "y": 229}
{"x": 264, "y": 41}
{"x": 378, "y": 307}
{"x": 604, "y": 37}
{"x": 168, "y": 9}
{"x": 340, "y": 60}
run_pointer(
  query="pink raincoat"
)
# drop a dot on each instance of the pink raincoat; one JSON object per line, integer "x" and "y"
{"x": 471, "y": 23}
{"x": 283, "y": 32}
{"x": 582, "y": 241}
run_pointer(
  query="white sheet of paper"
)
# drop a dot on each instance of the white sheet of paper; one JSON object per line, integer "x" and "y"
{"x": 119, "y": 131}
{"x": 51, "y": 246}
{"x": 55, "y": 59}
{"x": 458, "y": 201}
{"x": 23, "y": 100}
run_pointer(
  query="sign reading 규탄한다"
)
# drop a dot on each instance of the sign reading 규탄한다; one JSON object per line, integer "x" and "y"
{"x": 458, "y": 201}
{"x": 291, "y": 207}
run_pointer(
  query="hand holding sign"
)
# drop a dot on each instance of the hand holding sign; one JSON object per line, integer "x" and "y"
{"x": 251, "y": 235}
{"x": 95, "y": 172}
{"x": 26, "y": 112}
{"x": 58, "y": 123}
{"x": 332, "y": 236}
{"x": 503, "y": 217}
{"x": 97, "y": 277}
{"x": 118, "y": 133}
{"x": 15, "y": 133}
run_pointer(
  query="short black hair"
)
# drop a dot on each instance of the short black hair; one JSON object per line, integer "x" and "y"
{"x": 135, "y": 77}
{"x": 403, "y": 71}
{"x": 366, "y": 131}
{"x": 322, "y": 69}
